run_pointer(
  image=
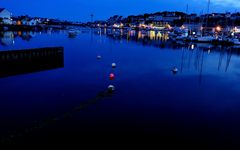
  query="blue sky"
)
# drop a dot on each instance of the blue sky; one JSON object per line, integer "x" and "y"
{"x": 80, "y": 10}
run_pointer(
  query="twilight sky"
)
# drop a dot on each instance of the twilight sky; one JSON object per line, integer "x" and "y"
{"x": 80, "y": 10}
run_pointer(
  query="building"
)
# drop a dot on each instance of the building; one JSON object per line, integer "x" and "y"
{"x": 191, "y": 17}
{"x": 158, "y": 17}
{"x": 171, "y": 18}
{"x": 25, "y": 21}
{"x": 33, "y": 22}
{"x": 235, "y": 16}
{"x": 5, "y": 16}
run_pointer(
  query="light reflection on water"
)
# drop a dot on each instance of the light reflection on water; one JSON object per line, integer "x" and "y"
{"x": 200, "y": 101}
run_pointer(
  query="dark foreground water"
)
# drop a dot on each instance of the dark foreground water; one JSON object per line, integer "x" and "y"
{"x": 198, "y": 106}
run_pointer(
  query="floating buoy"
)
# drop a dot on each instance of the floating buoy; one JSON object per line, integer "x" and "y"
{"x": 111, "y": 88}
{"x": 114, "y": 65}
{"x": 175, "y": 70}
{"x": 111, "y": 76}
{"x": 99, "y": 57}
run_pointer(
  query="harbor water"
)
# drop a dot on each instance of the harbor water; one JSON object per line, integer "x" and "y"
{"x": 198, "y": 104}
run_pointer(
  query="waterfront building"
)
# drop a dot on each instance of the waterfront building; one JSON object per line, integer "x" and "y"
{"x": 32, "y": 22}
{"x": 5, "y": 15}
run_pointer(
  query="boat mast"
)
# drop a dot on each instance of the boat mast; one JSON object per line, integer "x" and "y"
{"x": 207, "y": 13}
{"x": 188, "y": 19}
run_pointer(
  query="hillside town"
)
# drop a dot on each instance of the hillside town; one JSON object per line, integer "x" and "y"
{"x": 214, "y": 28}
{"x": 151, "y": 20}
{"x": 164, "y": 19}
{"x": 162, "y": 73}
{"x": 7, "y": 19}
{"x": 217, "y": 28}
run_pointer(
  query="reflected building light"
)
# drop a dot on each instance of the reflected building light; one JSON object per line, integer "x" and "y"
{"x": 7, "y": 38}
{"x": 132, "y": 33}
{"x": 152, "y": 35}
{"x": 129, "y": 34}
{"x": 105, "y": 30}
{"x": 19, "y": 33}
{"x": 165, "y": 37}
{"x": 159, "y": 35}
{"x": 192, "y": 46}
{"x": 139, "y": 35}
{"x": 209, "y": 51}
{"x": 128, "y": 37}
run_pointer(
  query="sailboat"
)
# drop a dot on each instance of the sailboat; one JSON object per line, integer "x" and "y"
{"x": 234, "y": 39}
{"x": 72, "y": 33}
{"x": 206, "y": 39}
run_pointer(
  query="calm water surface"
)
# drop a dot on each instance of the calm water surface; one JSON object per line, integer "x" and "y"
{"x": 199, "y": 105}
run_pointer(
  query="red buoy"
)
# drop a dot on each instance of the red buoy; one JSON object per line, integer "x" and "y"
{"x": 111, "y": 76}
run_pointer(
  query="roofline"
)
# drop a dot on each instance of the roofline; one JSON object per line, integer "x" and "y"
{"x": 2, "y": 9}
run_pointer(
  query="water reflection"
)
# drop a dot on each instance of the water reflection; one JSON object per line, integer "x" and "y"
{"x": 143, "y": 76}
{"x": 28, "y": 61}
{"x": 8, "y": 38}
{"x": 195, "y": 57}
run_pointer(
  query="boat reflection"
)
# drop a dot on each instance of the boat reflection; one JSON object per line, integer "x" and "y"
{"x": 16, "y": 62}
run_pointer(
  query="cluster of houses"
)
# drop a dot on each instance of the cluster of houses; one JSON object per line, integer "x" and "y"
{"x": 7, "y": 18}
{"x": 166, "y": 19}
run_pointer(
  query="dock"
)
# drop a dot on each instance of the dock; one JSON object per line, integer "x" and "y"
{"x": 16, "y": 62}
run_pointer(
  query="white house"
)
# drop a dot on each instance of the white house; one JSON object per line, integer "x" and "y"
{"x": 6, "y": 16}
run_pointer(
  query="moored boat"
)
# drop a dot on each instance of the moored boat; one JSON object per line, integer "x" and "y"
{"x": 205, "y": 39}
{"x": 72, "y": 33}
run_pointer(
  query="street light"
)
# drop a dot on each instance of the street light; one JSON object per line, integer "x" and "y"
{"x": 218, "y": 28}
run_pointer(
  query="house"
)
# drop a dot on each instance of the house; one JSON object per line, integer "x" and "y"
{"x": 114, "y": 19}
{"x": 33, "y": 22}
{"x": 217, "y": 15}
{"x": 5, "y": 15}
{"x": 158, "y": 18}
{"x": 171, "y": 16}
{"x": 25, "y": 21}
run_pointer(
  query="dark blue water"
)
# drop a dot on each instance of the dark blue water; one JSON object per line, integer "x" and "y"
{"x": 199, "y": 105}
